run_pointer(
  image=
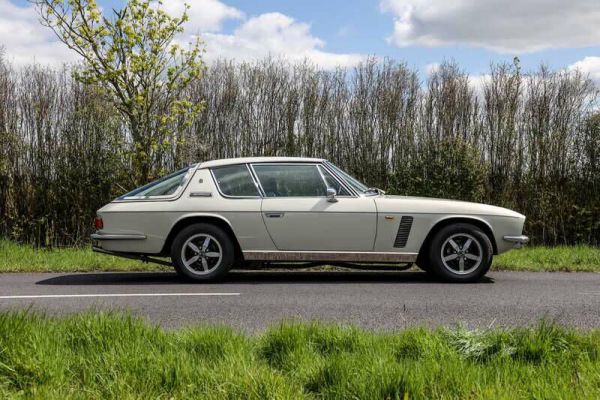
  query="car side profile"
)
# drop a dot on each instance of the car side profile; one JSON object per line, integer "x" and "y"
{"x": 218, "y": 214}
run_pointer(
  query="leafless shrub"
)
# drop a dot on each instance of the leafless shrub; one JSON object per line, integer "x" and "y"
{"x": 525, "y": 141}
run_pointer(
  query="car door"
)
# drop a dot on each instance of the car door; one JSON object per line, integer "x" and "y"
{"x": 299, "y": 216}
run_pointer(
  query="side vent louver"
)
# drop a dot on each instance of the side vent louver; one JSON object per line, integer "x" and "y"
{"x": 403, "y": 231}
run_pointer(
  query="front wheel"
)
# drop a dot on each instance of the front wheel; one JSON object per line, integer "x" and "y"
{"x": 460, "y": 253}
{"x": 202, "y": 252}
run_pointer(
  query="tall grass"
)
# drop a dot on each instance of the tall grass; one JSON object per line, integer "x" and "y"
{"x": 523, "y": 140}
{"x": 114, "y": 356}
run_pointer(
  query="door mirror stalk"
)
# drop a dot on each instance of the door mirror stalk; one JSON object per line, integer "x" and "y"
{"x": 331, "y": 193}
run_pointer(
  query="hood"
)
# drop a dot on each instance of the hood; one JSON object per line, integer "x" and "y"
{"x": 409, "y": 204}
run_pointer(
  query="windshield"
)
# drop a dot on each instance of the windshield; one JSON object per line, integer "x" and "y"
{"x": 355, "y": 183}
{"x": 165, "y": 186}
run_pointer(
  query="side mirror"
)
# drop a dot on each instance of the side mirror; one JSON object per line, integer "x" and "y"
{"x": 331, "y": 193}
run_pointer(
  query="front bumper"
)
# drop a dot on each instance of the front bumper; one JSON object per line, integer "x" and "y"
{"x": 518, "y": 240}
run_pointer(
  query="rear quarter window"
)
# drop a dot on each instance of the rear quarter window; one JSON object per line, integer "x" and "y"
{"x": 235, "y": 181}
{"x": 166, "y": 186}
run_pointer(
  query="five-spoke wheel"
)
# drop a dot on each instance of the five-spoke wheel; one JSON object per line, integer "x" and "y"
{"x": 202, "y": 252}
{"x": 460, "y": 252}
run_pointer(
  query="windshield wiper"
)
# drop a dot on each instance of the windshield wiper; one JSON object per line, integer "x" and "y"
{"x": 374, "y": 190}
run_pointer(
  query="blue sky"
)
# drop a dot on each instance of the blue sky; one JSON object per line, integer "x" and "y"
{"x": 423, "y": 33}
{"x": 360, "y": 26}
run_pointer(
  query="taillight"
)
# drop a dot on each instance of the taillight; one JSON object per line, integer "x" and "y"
{"x": 98, "y": 223}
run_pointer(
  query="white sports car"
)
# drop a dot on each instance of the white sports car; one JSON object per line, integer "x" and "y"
{"x": 217, "y": 214}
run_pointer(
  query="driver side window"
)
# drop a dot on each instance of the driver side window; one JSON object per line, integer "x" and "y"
{"x": 300, "y": 180}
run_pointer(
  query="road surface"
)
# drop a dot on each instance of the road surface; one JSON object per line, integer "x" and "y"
{"x": 252, "y": 301}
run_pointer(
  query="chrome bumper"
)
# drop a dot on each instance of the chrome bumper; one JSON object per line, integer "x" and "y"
{"x": 518, "y": 240}
{"x": 99, "y": 236}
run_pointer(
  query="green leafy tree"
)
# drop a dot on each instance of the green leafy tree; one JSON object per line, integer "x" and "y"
{"x": 132, "y": 56}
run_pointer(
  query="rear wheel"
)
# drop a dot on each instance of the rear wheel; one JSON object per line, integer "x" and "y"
{"x": 202, "y": 252}
{"x": 460, "y": 253}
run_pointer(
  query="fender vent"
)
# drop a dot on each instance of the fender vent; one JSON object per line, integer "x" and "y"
{"x": 403, "y": 231}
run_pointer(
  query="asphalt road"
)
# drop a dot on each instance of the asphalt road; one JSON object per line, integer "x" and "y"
{"x": 252, "y": 301}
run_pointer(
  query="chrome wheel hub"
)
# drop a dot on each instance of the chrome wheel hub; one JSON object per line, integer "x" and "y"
{"x": 201, "y": 254}
{"x": 461, "y": 253}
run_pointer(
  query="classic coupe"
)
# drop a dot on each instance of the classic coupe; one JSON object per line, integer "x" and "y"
{"x": 220, "y": 214}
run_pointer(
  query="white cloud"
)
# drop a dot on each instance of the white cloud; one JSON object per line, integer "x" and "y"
{"x": 590, "y": 66}
{"x": 25, "y": 40}
{"x": 478, "y": 83}
{"x": 500, "y": 25}
{"x": 278, "y": 35}
{"x": 431, "y": 68}
{"x": 204, "y": 15}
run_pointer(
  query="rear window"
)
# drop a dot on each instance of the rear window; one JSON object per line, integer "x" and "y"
{"x": 163, "y": 187}
{"x": 235, "y": 181}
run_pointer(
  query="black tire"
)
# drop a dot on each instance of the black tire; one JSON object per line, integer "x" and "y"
{"x": 466, "y": 250}
{"x": 207, "y": 266}
{"x": 423, "y": 263}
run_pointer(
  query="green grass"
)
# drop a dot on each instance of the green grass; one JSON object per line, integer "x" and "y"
{"x": 112, "y": 356}
{"x": 559, "y": 258}
{"x": 22, "y": 258}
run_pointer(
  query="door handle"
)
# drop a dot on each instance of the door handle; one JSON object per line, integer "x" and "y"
{"x": 274, "y": 214}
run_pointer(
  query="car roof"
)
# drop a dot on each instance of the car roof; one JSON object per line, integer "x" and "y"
{"x": 244, "y": 160}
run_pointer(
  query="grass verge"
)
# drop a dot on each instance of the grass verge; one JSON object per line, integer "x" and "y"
{"x": 559, "y": 258}
{"x": 116, "y": 356}
{"x": 22, "y": 258}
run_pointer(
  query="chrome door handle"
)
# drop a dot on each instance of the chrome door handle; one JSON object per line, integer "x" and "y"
{"x": 274, "y": 214}
{"x": 200, "y": 194}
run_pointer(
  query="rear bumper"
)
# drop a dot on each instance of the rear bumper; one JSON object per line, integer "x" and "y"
{"x": 133, "y": 256}
{"x": 518, "y": 240}
{"x": 128, "y": 236}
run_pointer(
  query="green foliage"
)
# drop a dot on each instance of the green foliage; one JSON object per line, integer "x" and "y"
{"x": 132, "y": 58}
{"x": 449, "y": 169}
{"x": 528, "y": 142}
{"x": 111, "y": 355}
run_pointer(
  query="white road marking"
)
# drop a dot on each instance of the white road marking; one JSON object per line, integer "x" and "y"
{"x": 66, "y": 296}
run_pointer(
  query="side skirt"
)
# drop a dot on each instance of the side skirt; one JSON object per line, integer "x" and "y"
{"x": 331, "y": 256}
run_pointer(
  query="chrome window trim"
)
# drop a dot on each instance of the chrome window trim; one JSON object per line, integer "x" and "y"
{"x": 321, "y": 168}
{"x": 171, "y": 197}
{"x": 345, "y": 183}
{"x": 256, "y": 181}
{"x": 332, "y": 169}
{"x": 316, "y": 164}
{"x": 226, "y": 196}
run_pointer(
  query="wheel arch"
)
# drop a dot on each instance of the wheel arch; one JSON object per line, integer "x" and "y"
{"x": 441, "y": 223}
{"x": 191, "y": 219}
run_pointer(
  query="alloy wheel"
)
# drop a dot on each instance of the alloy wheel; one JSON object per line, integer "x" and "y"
{"x": 461, "y": 253}
{"x": 201, "y": 254}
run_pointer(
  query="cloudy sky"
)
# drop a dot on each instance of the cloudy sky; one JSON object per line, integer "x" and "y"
{"x": 559, "y": 33}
